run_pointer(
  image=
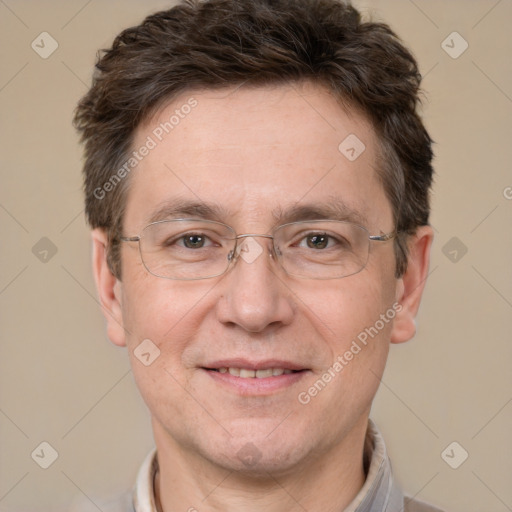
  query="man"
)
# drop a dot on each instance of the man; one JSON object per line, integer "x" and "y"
{"x": 257, "y": 179}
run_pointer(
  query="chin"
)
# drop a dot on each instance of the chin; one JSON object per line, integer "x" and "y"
{"x": 258, "y": 456}
{"x": 252, "y": 462}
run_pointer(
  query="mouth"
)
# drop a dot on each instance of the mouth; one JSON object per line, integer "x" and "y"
{"x": 255, "y": 378}
{"x": 247, "y": 373}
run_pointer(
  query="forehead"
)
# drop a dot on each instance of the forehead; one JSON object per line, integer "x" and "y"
{"x": 255, "y": 151}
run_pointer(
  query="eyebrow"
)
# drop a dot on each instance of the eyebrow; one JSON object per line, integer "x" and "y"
{"x": 333, "y": 209}
{"x": 179, "y": 208}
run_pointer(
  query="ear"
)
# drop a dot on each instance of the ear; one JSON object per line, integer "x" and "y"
{"x": 109, "y": 288}
{"x": 410, "y": 286}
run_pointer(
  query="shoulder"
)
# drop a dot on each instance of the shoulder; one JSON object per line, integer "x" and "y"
{"x": 412, "y": 505}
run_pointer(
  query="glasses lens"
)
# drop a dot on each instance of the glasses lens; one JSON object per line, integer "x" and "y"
{"x": 322, "y": 249}
{"x": 186, "y": 249}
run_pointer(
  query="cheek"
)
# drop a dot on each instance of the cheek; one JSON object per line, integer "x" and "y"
{"x": 149, "y": 302}
{"x": 166, "y": 312}
{"x": 358, "y": 342}
{"x": 358, "y": 315}
{"x": 161, "y": 318}
{"x": 344, "y": 308}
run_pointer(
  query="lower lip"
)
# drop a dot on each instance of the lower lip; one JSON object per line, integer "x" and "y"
{"x": 256, "y": 386}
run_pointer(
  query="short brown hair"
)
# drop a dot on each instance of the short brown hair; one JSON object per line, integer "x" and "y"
{"x": 220, "y": 43}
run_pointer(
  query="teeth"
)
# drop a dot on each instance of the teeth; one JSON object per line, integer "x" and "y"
{"x": 245, "y": 373}
{"x": 264, "y": 373}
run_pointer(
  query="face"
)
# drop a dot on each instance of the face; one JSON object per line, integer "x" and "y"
{"x": 254, "y": 156}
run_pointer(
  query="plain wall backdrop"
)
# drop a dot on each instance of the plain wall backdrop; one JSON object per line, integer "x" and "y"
{"x": 62, "y": 382}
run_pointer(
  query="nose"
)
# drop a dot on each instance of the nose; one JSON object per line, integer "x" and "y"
{"x": 254, "y": 296}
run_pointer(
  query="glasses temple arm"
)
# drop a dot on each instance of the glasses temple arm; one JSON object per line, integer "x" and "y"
{"x": 383, "y": 238}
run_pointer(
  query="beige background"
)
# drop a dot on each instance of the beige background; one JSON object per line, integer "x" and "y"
{"x": 62, "y": 381}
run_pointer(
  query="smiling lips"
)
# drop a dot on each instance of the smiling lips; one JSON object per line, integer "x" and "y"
{"x": 245, "y": 369}
{"x": 246, "y": 373}
{"x": 260, "y": 378}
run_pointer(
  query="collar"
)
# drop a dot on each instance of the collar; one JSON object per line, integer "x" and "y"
{"x": 378, "y": 494}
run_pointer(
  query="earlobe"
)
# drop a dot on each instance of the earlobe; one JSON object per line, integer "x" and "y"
{"x": 108, "y": 287}
{"x": 411, "y": 285}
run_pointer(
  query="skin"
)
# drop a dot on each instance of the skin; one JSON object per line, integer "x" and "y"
{"x": 252, "y": 151}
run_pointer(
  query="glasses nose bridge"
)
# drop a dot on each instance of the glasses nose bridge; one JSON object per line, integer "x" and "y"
{"x": 251, "y": 235}
{"x": 236, "y": 252}
{"x": 256, "y": 235}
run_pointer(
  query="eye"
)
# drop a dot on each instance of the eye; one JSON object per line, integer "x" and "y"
{"x": 194, "y": 241}
{"x": 320, "y": 241}
{"x": 190, "y": 241}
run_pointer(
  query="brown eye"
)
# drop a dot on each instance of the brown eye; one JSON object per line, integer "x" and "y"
{"x": 317, "y": 241}
{"x": 194, "y": 241}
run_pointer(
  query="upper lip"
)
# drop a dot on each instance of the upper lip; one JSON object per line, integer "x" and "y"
{"x": 254, "y": 365}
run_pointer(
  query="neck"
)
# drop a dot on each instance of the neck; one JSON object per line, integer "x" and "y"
{"x": 329, "y": 482}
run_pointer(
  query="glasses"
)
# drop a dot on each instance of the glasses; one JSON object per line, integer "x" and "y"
{"x": 190, "y": 249}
